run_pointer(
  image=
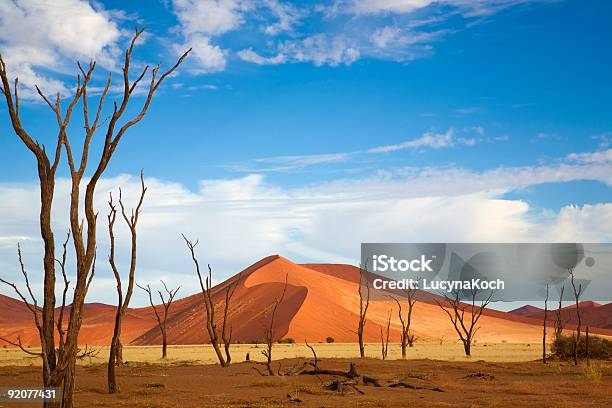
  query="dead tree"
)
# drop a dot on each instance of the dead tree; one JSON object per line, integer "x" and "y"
{"x": 166, "y": 303}
{"x": 364, "y": 303}
{"x": 116, "y": 355}
{"x": 558, "y": 317}
{"x": 407, "y": 338}
{"x": 466, "y": 327}
{"x": 211, "y": 324}
{"x": 577, "y": 294}
{"x": 544, "y": 327}
{"x": 384, "y": 341}
{"x": 269, "y": 330}
{"x": 58, "y": 366}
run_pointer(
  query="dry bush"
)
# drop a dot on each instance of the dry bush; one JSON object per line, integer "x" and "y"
{"x": 592, "y": 373}
{"x": 599, "y": 348}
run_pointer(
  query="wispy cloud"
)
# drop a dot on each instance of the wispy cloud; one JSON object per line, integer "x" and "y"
{"x": 429, "y": 140}
{"x": 602, "y": 156}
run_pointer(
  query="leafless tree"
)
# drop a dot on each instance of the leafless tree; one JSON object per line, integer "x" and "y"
{"x": 465, "y": 326}
{"x": 207, "y": 294}
{"x": 544, "y": 327}
{"x": 166, "y": 303}
{"x": 364, "y": 303}
{"x": 269, "y": 330}
{"x": 116, "y": 355}
{"x": 407, "y": 338}
{"x": 558, "y": 317}
{"x": 384, "y": 341}
{"x": 58, "y": 366}
{"x": 577, "y": 293}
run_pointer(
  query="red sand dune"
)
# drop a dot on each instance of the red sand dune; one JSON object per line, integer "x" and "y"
{"x": 321, "y": 300}
{"x": 592, "y": 314}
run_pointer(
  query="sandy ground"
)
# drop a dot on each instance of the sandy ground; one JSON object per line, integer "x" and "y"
{"x": 462, "y": 384}
{"x": 204, "y": 354}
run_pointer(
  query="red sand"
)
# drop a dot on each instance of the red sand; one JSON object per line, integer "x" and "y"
{"x": 321, "y": 300}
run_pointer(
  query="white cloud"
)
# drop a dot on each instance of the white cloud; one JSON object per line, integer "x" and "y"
{"x": 430, "y": 140}
{"x": 321, "y": 49}
{"x": 209, "y": 17}
{"x": 210, "y": 57}
{"x": 286, "y": 14}
{"x": 251, "y": 56}
{"x": 383, "y": 6}
{"x": 592, "y": 157}
{"x": 239, "y": 221}
{"x": 468, "y": 8}
{"x": 52, "y": 34}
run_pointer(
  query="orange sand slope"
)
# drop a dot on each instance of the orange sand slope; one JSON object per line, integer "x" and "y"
{"x": 321, "y": 300}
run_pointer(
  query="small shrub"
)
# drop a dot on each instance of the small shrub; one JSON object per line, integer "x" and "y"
{"x": 592, "y": 373}
{"x": 330, "y": 339}
{"x": 288, "y": 340}
{"x": 599, "y": 348}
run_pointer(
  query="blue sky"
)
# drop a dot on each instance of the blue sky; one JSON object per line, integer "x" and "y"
{"x": 291, "y": 120}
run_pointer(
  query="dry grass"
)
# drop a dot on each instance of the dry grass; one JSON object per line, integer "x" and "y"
{"x": 204, "y": 354}
{"x": 593, "y": 373}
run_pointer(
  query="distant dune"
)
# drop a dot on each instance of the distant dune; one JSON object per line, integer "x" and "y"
{"x": 592, "y": 314}
{"x": 321, "y": 301}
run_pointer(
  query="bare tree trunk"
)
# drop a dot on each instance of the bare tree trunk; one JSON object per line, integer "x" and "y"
{"x": 164, "y": 344}
{"x": 544, "y": 327}
{"x": 558, "y": 319}
{"x": 577, "y": 293}
{"x": 364, "y": 303}
{"x": 119, "y": 357}
{"x": 385, "y": 341}
{"x": 113, "y": 387}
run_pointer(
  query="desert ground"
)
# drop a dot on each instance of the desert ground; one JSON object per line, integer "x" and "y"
{"x": 474, "y": 383}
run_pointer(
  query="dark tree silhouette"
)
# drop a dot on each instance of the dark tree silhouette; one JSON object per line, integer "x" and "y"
{"x": 577, "y": 293}
{"x": 544, "y": 327}
{"x": 116, "y": 355}
{"x": 407, "y": 338}
{"x": 207, "y": 294}
{"x": 364, "y": 303}
{"x": 269, "y": 330}
{"x": 465, "y": 326}
{"x": 166, "y": 303}
{"x": 384, "y": 341}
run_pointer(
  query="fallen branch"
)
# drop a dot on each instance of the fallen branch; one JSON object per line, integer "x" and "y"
{"x": 403, "y": 384}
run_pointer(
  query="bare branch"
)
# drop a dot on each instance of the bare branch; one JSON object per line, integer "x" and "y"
{"x": 20, "y": 345}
